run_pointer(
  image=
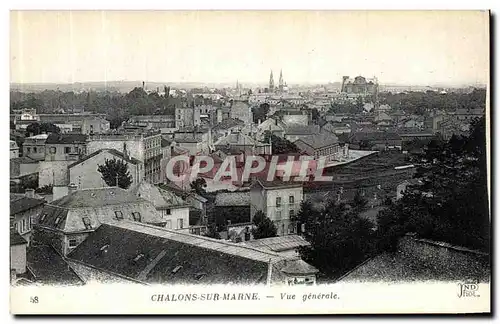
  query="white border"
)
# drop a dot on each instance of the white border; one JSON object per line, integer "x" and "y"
{"x": 148, "y": 4}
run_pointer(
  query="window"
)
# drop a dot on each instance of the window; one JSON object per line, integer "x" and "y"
{"x": 169, "y": 224}
{"x": 73, "y": 243}
{"x": 53, "y": 150}
{"x": 278, "y": 214}
{"x": 34, "y": 150}
{"x": 278, "y": 201}
{"x": 169, "y": 212}
{"x": 137, "y": 216}
{"x": 292, "y": 213}
{"x": 118, "y": 214}
{"x": 86, "y": 222}
{"x": 67, "y": 150}
{"x": 43, "y": 218}
{"x": 180, "y": 223}
{"x": 28, "y": 149}
{"x": 58, "y": 220}
{"x": 291, "y": 199}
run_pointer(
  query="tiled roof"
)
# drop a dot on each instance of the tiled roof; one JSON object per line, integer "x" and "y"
{"x": 16, "y": 238}
{"x": 299, "y": 267}
{"x": 96, "y": 198}
{"x": 151, "y": 254}
{"x": 160, "y": 198}
{"x": 317, "y": 141}
{"x": 235, "y": 198}
{"x": 297, "y": 129}
{"x": 23, "y": 204}
{"x": 95, "y": 206}
{"x": 66, "y": 139}
{"x": 278, "y": 244}
{"x": 23, "y": 160}
{"x": 48, "y": 267}
{"x": 228, "y": 123}
{"x": 114, "y": 152}
{"x": 277, "y": 184}
{"x": 237, "y": 139}
{"x": 373, "y": 136}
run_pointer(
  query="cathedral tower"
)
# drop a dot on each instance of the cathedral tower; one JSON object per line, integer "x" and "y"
{"x": 271, "y": 82}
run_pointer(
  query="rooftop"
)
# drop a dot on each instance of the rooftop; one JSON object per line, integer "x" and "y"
{"x": 48, "y": 267}
{"x": 151, "y": 254}
{"x": 66, "y": 139}
{"x": 96, "y": 197}
{"x": 278, "y": 244}
{"x": 317, "y": 141}
{"x": 22, "y": 204}
{"x": 114, "y": 152}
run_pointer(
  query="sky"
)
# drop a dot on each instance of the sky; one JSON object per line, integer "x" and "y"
{"x": 419, "y": 47}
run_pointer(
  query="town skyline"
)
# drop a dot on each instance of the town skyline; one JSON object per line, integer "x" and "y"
{"x": 309, "y": 47}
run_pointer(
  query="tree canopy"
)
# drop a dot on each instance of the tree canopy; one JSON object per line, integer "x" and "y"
{"x": 451, "y": 204}
{"x": 36, "y": 129}
{"x": 339, "y": 239}
{"x": 260, "y": 112}
{"x": 114, "y": 170}
{"x": 264, "y": 227}
{"x": 280, "y": 145}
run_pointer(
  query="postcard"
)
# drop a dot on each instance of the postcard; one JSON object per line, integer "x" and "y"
{"x": 250, "y": 162}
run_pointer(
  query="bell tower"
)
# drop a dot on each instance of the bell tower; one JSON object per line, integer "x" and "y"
{"x": 271, "y": 82}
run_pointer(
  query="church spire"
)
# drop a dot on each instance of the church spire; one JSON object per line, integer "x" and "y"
{"x": 281, "y": 80}
{"x": 271, "y": 82}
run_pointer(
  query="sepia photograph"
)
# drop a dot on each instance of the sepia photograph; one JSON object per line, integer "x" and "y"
{"x": 237, "y": 162}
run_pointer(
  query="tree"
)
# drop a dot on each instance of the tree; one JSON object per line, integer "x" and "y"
{"x": 264, "y": 227}
{"x": 358, "y": 202}
{"x": 260, "y": 112}
{"x": 280, "y": 145}
{"x": 339, "y": 239}
{"x": 36, "y": 128}
{"x": 113, "y": 170}
{"x": 452, "y": 204}
{"x": 199, "y": 186}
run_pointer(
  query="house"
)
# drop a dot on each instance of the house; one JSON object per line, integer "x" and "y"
{"x": 34, "y": 147}
{"x": 194, "y": 139}
{"x": 17, "y": 253}
{"x": 241, "y": 110}
{"x": 143, "y": 146}
{"x": 294, "y": 132}
{"x": 244, "y": 143}
{"x": 273, "y": 125}
{"x": 173, "y": 209}
{"x": 197, "y": 204}
{"x": 84, "y": 173}
{"x": 226, "y": 127}
{"x": 14, "y": 150}
{"x": 324, "y": 144}
{"x": 65, "y": 147}
{"x": 23, "y": 165}
{"x": 231, "y": 208}
{"x": 23, "y": 211}
{"x": 284, "y": 245}
{"x": 278, "y": 200}
{"x": 144, "y": 254}
{"x": 66, "y": 222}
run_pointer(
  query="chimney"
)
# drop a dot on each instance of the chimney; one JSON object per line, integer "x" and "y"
{"x": 143, "y": 85}
{"x": 72, "y": 188}
{"x": 30, "y": 193}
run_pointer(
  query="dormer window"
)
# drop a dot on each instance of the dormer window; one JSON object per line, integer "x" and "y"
{"x": 137, "y": 216}
{"x": 118, "y": 215}
{"x": 58, "y": 220}
{"x": 138, "y": 257}
{"x": 86, "y": 222}
{"x": 176, "y": 269}
{"x": 43, "y": 217}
